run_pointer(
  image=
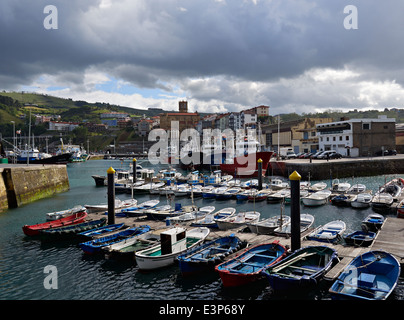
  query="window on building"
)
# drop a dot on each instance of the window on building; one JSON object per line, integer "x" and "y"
{"x": 366, "y": 126}
{"x": 340, "y": 138}
{"x": 347, "y": 138}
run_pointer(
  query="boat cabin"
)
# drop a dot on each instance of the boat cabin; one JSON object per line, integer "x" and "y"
{"x": 173, "y": 240}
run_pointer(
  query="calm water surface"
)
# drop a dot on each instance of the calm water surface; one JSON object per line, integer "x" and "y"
{"x": 80, "y": 277}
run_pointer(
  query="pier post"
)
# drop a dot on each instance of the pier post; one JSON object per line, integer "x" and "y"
{"x": 295, "y": 210}
{"x": 111, "y": 195}
{"x": 259, "y": 174}
{"x": 134, "y": 169}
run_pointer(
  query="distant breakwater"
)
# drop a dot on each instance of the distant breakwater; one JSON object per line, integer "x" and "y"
{"x": 20, "y": 185}
{"x": 344, "y": 168}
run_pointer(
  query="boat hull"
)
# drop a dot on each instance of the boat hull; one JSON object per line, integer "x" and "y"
{"x": 370, "y": 276}
{"x": 240, "y": 168}
{"x": 33, "y": 230}
{"x": 309, "y": 272}
{"x": 246, "y": 267}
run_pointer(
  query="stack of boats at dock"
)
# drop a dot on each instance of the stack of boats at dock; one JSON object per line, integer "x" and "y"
{"x": 234, "y": 260}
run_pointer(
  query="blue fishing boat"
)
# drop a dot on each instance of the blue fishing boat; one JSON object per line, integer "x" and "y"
{"x": 96, "y": 232}
{"x": 360, "y": 238}
{"x": 370, "y": 276}
{"x": 302, "y": 269}
{"x": 247, "y": 267}
{"x": 206, "y": 256}
{"x": 373, "y": 222}
{"x": 95, "y": 245}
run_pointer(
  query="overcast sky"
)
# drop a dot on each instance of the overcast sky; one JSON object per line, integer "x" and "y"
{"x": 219, "y": 55}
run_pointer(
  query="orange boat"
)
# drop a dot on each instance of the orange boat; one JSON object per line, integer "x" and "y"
{"x": 66, "y": 221}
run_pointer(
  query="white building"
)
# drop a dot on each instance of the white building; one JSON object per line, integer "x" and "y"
{"x": 357, "y": 137}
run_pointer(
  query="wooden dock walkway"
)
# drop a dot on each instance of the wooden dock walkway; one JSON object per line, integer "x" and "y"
{"x": 390, "y": 238}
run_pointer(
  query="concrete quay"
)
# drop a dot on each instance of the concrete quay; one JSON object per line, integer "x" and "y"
{"x": 21, "y": 184}
{"x": 338, "y": 168}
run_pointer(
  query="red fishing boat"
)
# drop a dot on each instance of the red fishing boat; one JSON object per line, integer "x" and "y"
{"x": 246, "y": 267}
{"x": 75, "y": 218}
{"x": 247, "y": 165}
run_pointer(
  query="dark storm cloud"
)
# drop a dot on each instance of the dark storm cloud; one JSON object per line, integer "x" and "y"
{"x": 213, "y": 49}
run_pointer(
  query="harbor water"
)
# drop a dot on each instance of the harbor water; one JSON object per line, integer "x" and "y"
{"x": 23, "y": 260}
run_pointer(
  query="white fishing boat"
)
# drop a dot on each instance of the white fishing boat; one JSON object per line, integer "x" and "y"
{"x": 362, "y": 200}
{"x": 64, "y": 213}
{"x": 173, "y": 242}
{"x": 139, "y": 209}
{"x": 238, "y": 220}
{"x": 318, "y": 186}
{"x": 381, "y": 202}
{"x": 267, "y": 226}
{"x": 277, "y": 184}
{"x": 119, "y": 205}
{"x": 317, "y": 198}
{"x": 306, "y": 221}
{"x": 228, "y": 193}
{"x": 357, "y": 188}
{"x": 330, "y": 232}
{"x": 337, "y": 186}
{"x": 170, "y": 212}
{"x": 278, "y": 196}
{"x": 190, "y": 216}
{"x": 182, "y": 190}
{"x": 210, "y": 219}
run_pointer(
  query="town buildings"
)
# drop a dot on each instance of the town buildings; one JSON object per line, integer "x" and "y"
{"x": 358, "y": 137}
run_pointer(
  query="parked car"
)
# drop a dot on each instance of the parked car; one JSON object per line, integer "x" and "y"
{"x": 386, "y": 153}
{"x": 308, "y": 155}
{"x": 315, "y": 156}
{"x": 335, "y": 155}
{"x": 326, "y": 154}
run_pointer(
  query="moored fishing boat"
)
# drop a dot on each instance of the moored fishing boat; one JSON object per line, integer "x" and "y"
{"x": 71, "y": 231}
{"x": 317, "y": 187}
{"x": 247, "y": 266}
{"x": 317, "y": 198}
{"x": 267, "y": 226}
{"x": 173, "y": 242}
{"x": 193, "y": 215}
{"x": 210, "y": 219}
{"x": 138, "y": 210}
{"x": 339, "y": 187}
{"x": 302, "y": 269}
{"x": 360, "y": 238}
{"x": 361, "y": 201}
{"x": 373, "y": 222}
{"x": 330, "y": 232}
{"x": 306, "y": 221}
{"x": 125, "y": 250}
{"x": 63, "y": 213}
{"x": 100, "y": 231}
{"x": 33, "y": 230}
{"x": 169, "y": 212}
{"x": 381, "y": 202}
{"x": 278, "y": 196}
{"x": 119, "y": 204}
{"x": 238, "y": 220}
{"x": 228, "y": 193}
{"x": 259, "y": 195}
{"x": 94, "y": 246}
{"x": 206, "y": 256}
{"x": 343, "y": 200}
{"x": 372, "y": 275}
